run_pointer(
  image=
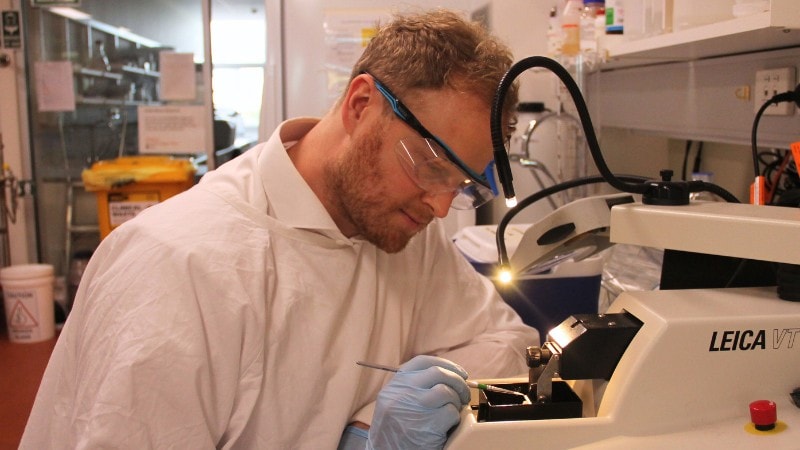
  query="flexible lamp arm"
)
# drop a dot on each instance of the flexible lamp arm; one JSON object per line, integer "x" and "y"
{"x": 630, "y": 184}
{"x": 501, "y": 156}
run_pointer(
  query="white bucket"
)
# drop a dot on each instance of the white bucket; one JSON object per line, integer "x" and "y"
{"x": 28, "y": 302}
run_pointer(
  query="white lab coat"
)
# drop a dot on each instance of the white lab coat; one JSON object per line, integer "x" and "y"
{"x": 232, "y": 315}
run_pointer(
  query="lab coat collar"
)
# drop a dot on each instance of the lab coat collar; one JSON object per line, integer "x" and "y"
{"x": 290, "y": 197}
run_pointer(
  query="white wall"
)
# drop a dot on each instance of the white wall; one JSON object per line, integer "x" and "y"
{"x": 307, "y": 80}
{"x": 522, "y": 24}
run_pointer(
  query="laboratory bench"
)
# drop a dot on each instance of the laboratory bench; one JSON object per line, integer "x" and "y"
{"x": 21, "y": 370}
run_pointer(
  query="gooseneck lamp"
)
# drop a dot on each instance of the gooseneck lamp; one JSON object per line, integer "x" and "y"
{"x": 657, "y": 192}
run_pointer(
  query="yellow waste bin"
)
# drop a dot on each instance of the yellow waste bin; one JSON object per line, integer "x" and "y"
{"x": 127, "y": 185}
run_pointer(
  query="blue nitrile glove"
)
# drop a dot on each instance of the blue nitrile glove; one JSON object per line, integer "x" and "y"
{"x": 421, "y": 403}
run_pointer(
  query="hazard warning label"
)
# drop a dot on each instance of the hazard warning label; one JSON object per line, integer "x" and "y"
{"x": 20, "y": 317}
{"x": 23, "y": 315}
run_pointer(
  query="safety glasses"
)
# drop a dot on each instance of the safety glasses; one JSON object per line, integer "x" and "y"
{"x": 432, "y": 165}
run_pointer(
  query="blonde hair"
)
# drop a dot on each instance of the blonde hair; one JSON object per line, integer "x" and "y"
{"x": 438, "y": 49}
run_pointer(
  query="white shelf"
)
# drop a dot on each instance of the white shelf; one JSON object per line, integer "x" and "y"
{"x": 109, "y": 101}
{"x": 777, "y": 28}
{"x": 137, "y": 71}
{"x": 98, "y": 73}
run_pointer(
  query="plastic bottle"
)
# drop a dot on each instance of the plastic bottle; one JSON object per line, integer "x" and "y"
{"x": 592, "y": 11}
{"x": 571, "y": 28}
{"x": 615, "y": 17}
{"x": 554, "y": 35}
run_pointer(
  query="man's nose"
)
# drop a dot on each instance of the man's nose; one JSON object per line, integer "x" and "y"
{"x": 439, "y": 202}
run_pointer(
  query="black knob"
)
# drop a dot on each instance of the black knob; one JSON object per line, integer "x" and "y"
{"x": 666, "y": 191}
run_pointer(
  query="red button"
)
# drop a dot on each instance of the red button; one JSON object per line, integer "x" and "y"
{"x": 764, "y": 414}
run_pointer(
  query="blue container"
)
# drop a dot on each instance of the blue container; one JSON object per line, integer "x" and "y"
{"x": 544, "y": 301}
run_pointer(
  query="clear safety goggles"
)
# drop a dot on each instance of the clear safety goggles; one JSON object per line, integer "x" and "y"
{"x": 433, "y": 166}
{"x": 425, "y": 161}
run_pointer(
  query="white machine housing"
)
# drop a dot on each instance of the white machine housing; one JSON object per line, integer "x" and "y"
{"x": 701, "y": 356}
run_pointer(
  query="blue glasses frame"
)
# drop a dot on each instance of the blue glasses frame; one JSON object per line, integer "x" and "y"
{"x": 404, "y": 114}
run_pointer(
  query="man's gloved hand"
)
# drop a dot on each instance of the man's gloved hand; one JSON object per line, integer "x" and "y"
{"x": 419, "y": 405}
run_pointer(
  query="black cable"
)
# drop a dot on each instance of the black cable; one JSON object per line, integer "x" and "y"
{"x": 698, "y": 157}
{"x": 792, "y": 180}
{"x": 502, "y": 252}
{"x": 788, "y": 96}
{"x": 778, "y": 172}
{"x": 501, "y": 157}
{"x": 753, "y": 137}
{"x": 786, "y": 277}
{"x": 536, "y": 196}
{"x": 769, "y": 170}
{"x": 685, "y": 159}
{"x": 661, "y": 192}
{"x": 633, "y": 185}
{"x": 763, "y": 157}
{"x": 716, "y": 189}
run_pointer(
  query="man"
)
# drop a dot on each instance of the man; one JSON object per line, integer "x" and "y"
{"x": 232, "y": 315}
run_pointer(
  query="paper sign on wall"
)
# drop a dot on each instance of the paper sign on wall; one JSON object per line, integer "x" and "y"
{"x": 177, "y": 76}
{"x": 172, "y": 129}
{"x": 54, "y": 86}
{"x": 347, "y": 33}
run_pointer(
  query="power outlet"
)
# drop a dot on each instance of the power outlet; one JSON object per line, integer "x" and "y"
{"x": 771, "y": 82}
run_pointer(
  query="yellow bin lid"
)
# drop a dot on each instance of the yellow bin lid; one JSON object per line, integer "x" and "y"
{"x": 109, "y": 173}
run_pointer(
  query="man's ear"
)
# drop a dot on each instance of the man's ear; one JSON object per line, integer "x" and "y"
{"x": 361, "y": 93}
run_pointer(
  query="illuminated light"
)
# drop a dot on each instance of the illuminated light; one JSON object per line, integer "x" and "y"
{"x": 505, "y": 276}
{"x": 70, "y": 13}
{"x": 511, "y": 202}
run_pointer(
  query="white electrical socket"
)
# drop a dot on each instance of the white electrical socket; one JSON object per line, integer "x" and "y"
{"x": 770, "y": 82}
